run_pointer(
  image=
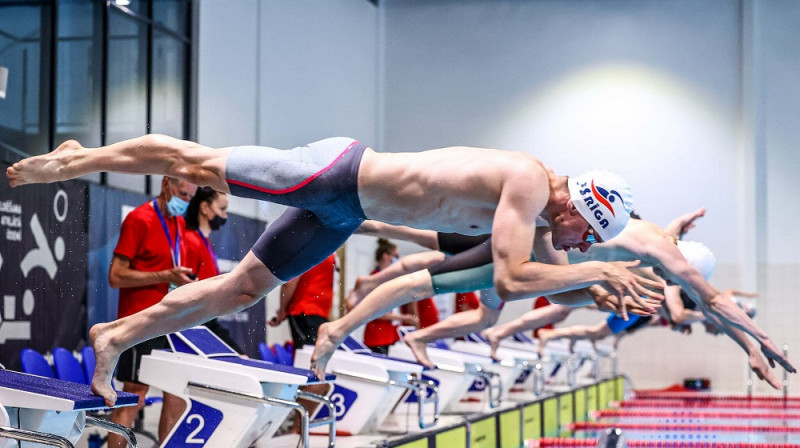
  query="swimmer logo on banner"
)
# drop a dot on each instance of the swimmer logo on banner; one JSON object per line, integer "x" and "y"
{"x": 43, "y": 244}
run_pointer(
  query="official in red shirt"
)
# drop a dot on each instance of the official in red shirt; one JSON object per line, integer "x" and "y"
{"x": 307, "y": 301}
{"x": 149, "y": 257}
{"x": 208, "y": 211}
{"x": 380, "y": 333}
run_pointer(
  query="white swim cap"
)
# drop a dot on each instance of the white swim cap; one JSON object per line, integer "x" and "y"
{"x": 699, "y": 256}
{"x": 603, "y": 199}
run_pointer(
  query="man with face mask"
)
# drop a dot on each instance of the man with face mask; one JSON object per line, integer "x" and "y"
{"x": 149, "y": 260}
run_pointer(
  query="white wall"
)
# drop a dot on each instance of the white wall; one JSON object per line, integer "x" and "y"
{"x": 693, "y": 102}
{"x": 283, "y": 74}
{"x": 650, "y": 89}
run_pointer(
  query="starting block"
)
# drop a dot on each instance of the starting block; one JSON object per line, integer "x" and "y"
{"x": 454, "y": 375}
{"x": 369, "y": 385}
{"x": 51, "y": 412}
{"x": 523, "y": 360}
{"x": 230, "y": 401}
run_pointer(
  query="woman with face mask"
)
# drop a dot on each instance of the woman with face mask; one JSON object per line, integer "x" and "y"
{"x": 207, "y": 211}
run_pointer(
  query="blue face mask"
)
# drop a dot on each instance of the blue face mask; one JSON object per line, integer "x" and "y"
{"x": 177, "y": 206}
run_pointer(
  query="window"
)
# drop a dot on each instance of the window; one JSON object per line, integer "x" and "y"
{"x": 93, "y": 71}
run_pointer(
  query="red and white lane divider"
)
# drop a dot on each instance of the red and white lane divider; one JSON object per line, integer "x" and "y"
{"x": 586, "y": 443}
{"x": 650, "y": 395}
{"x": 680, "y": 427}
{"x": 630, "y": 413}
{"x": 649, "y": 403}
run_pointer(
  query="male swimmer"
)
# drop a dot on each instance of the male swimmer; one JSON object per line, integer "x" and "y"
{"x": 333, "y": 185}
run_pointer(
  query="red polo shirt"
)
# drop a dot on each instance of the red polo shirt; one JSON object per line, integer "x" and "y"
{"x": 143, "y": 240}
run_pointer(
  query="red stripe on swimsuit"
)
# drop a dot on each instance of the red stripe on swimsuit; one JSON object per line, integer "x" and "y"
{"x": 301, "y": 184}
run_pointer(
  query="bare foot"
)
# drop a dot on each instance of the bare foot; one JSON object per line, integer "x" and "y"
{"x": 494, "y": 342}
{"x": 42, "y": 169}
{"x": 420, "y": 350}
{"x": 106, "y": 356}
{"x": 544, "y": 336}
{"x": 327, "y": 343}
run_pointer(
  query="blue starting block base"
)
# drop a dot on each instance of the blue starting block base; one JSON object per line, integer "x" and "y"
{"x": 50, "y": 411}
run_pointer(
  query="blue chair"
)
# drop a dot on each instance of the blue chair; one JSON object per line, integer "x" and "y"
{"x": 88, "y": 362}
{"x": 34, "y": 363}
{"x": 266, "y": 353}
{"x": 284, "y": 357}
{"x": 67, "y": 367}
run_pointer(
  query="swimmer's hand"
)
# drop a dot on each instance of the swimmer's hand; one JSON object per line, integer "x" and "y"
{"x": 759, "y": 367}
{"x": 179, "y": 275}
{"x": 622, "y": 282}
{"x": 611, "y": 303}
{"x": 773, "y": 355}
{"x": 280, "y": 317}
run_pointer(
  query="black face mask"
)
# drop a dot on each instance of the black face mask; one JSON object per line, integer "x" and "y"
{"x": 217, "y": 222}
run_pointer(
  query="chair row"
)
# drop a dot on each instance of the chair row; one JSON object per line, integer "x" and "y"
{"x": 65, "y": 366}
{"x": 278, "y": 354}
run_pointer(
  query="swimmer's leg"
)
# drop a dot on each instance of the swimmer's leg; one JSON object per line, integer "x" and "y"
{"x": 574, "y": 333}
{"x": 406, "y": 265}
{"x": 149, "y": 154}
{"x": 384, "y": 298}
{"x": 529, "y": 321}
{"x": 458, "y": 324}
{"x": 189, "y": 305}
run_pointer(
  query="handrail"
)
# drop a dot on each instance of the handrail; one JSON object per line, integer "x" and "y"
{"x": 412, "y": 384}
{"x": 330, "y": 421}
{"x": 126, "y": 433}
{"x": 25, "y": 435}
{"x": 495, "y": 383}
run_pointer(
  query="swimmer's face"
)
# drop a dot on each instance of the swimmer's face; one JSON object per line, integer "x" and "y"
{"x": 571, "y": 231}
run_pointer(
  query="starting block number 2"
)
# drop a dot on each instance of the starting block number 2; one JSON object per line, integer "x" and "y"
{"x": 196, "y": 428}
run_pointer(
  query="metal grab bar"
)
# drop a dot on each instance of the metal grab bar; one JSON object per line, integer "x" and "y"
{"x": 538, "y": 379}
{"x": 494, "y": 384}
{"x": 126, "y": 433}
{"x": 330, "y": 421}
{"x": 785, "y": 373}
{"x": 25, "y": 435}
{"x": 428, "y": 385}
{"x": 611, "y": 438}
{"x": 575, "y": 363}
{"x": 304, "y": 419}
{"x": 412, "y": 384}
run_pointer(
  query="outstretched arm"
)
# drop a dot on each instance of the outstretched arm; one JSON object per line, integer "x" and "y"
{"x": 515, "y": 277}
{"x": 680, "y": 225}
{"x": 546, "y": 253}
{"x": 714, "y": 302}
{"x": 755, "y": 360}
{"x": 678, "y": 313}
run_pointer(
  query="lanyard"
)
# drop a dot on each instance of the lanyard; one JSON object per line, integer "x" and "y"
{"x": 210, "y": 249}
{"x": 174, "y": 248}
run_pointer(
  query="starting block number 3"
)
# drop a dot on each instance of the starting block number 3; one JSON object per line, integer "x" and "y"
{"x": 342, "y": 399}
{"x": 196, "y": 428}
